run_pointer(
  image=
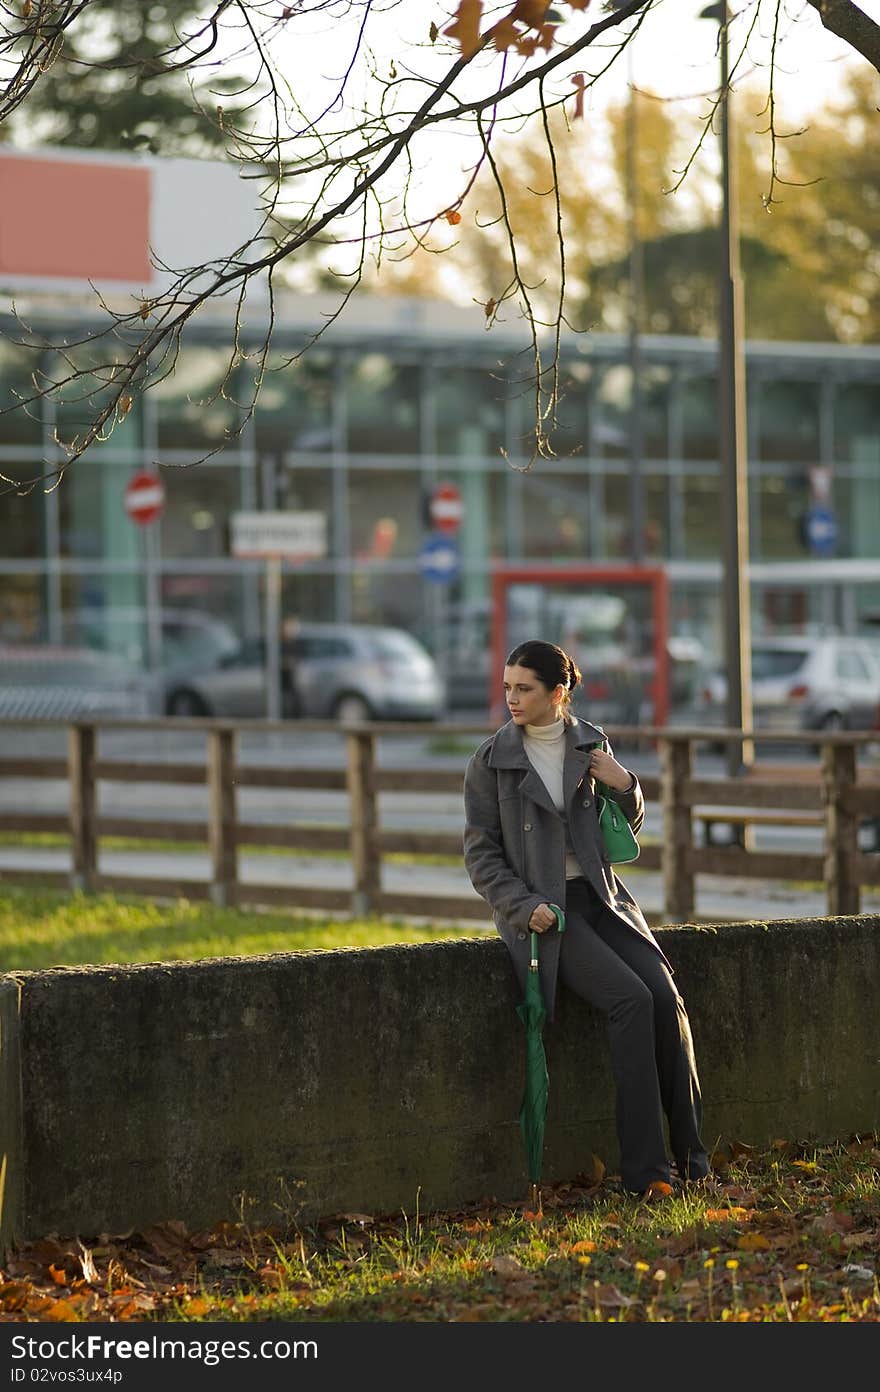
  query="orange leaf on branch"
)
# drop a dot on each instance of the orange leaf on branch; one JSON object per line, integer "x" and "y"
{"x": 504, "y": 34}
{"x": 547, "y": 37}
{"x": 452, "y": 216}
{"x": 466, "y": 27}
{"x": 530, "y": 12}
{"x": 579, "y": 81}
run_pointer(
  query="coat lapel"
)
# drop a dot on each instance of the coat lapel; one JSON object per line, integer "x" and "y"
{"x": 580, "y": 738}
{"x": 534, "y": 787}
{"x": 508, "y": 751}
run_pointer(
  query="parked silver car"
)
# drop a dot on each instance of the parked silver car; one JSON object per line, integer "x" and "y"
{"x": 806, "y": 683}
{"x": 67, "y": 683}
{"x": 328, "y": 671}
{"x": 189, "y": 640}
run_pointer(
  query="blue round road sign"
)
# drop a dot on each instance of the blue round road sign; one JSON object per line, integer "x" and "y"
{"x": 820, "y": 529}
{"x": 439, "y": 560}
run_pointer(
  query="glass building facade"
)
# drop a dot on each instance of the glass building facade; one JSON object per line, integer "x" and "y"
{"x": 398, "y": 396}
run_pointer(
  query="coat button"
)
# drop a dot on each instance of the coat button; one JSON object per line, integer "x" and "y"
{"x": 586, "y": 802}
{"x": 521, "y": 937}
{"x": 527, "y": 827}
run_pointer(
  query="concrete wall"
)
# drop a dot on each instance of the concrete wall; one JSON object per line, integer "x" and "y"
{"x": 372, "y": 1080}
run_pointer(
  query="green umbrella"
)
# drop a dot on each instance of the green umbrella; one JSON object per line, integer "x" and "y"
{"x": 533, "y": 1111}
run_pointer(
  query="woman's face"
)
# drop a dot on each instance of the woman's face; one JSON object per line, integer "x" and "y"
{"x": 529, "y": 701}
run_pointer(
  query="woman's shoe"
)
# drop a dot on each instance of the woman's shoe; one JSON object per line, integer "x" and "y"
{"x": 656, "y": 1190}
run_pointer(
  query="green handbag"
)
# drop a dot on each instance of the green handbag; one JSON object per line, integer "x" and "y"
{"x": 617, "y": 834}
{"x": 620, "y": 842}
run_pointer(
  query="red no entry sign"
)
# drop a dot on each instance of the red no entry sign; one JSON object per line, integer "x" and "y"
{"x": 446, "y": 508}
{"x": 144, "y": 498}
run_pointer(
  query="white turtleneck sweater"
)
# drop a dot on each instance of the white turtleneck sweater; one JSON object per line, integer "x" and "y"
{"x": 545, "y": 746}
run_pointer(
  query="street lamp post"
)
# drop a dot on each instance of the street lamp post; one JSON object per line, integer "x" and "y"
{"x": 732, "y": 432}
{"x": 636, "y": 280}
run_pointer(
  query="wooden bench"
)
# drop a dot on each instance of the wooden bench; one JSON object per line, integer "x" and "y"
{"x": 739, "y": 819}
{"x": 743, "y": 819}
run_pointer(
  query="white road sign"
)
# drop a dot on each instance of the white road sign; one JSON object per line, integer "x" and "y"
{"x": 300, "y": 536}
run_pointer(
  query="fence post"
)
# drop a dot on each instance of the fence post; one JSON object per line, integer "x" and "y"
{"x": 222, "y": 817}
{"x": 841, "y": 829}
{"x": 83, "y": 806}
{"x": 365, "y": 852}
{"x": 676, "y": 757}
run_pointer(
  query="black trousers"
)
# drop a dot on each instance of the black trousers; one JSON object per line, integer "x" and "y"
{"x": 652, "y": 1052}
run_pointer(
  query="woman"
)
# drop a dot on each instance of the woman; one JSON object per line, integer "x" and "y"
{"x": 532, "y": 839}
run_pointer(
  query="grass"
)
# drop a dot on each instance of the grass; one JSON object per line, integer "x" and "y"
{"x": 56, "y": 840}
{"x": 456, "y": 745}
{"x": 50, "y": 928}
{"x": 790, "y": 1235}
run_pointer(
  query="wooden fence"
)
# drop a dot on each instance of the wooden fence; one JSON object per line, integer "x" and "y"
{"x": 834, "y": 788}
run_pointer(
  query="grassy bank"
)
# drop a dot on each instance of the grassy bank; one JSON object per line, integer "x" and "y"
{"x": 789, "y": 1235}
{"x": 49, "y": 928}
{"x": 53, "y": 840}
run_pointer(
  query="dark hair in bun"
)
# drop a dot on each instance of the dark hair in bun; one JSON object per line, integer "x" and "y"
{"x": 551, "y": 665}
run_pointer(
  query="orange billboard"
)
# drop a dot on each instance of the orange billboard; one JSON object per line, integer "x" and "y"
{"x": 74, "y": 219}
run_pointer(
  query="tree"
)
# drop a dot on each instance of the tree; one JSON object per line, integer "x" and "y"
{"x": 809, "y": 233}
{"x": 107, "y": 88}
{"x": 824, "y": 216}
{"x": 343, "y": 170}
{"x": 810, "y": 220}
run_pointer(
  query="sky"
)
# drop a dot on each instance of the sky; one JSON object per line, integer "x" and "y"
{"x": 673, "y": 53}
{"x": 812, "y": 63}
{"x": 672, "y": 57}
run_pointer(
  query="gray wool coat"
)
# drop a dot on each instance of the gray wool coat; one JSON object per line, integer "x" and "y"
{"x": 514, "y": 842}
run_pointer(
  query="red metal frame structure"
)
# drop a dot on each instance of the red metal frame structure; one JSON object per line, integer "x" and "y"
{"x": 652, "y": 577}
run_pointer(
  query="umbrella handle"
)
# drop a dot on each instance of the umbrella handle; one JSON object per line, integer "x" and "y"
{"x": 560, "y": 924}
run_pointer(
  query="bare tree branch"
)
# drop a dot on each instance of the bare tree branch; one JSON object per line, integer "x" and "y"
{"x": 344, "y": 176}
{"x": 848, "y": 22}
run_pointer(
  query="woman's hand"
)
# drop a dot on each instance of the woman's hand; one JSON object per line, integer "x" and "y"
{"x": 542, "y": 918}
{"x": 605, "y": 767}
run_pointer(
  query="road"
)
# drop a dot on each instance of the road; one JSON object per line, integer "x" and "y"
{"x": 715, "y": 895}
{"x": 310, "y": 806}
{"x": 718, "y": 899}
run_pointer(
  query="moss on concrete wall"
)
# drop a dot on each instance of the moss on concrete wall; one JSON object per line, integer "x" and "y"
{"x": 375, "y": 1080}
